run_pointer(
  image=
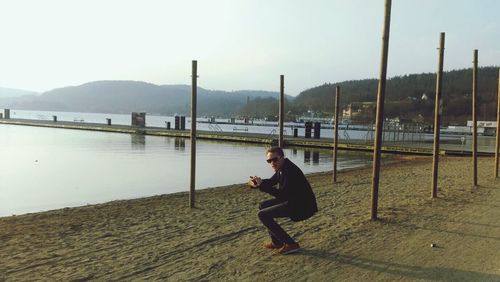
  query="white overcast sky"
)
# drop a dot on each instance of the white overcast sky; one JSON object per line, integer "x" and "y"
{"x": 239, "y": 44}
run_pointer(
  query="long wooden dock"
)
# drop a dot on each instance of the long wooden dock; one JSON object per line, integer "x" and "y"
{"x": 256, "y": 138}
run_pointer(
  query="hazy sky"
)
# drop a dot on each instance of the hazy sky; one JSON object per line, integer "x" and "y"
{"x": 239, "y": 44}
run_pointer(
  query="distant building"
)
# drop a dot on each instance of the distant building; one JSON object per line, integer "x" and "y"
{"x": 356, "y": 109}
{"x": 314, "y": 117}
{"x": 487, "y": 128}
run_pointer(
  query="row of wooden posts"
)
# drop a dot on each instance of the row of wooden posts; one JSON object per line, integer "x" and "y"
{"x": 437, "y": 115}
{"x": 379, "y": 120}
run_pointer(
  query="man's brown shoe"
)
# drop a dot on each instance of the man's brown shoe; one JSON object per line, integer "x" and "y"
{"x": 272, "y": 246}
{"x": 289, "y": 248}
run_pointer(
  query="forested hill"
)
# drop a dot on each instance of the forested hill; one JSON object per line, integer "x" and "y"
{"x": 404, "y": 95}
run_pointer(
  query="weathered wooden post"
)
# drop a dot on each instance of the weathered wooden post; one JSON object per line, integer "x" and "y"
{"x": 183, "y": 123}
{"x": 336, "y": 133}
{"x": 317, "y": 130}
{"x": 307, "y": 129}
{"x": 194, "y": 77}
{"x": 438, "y": 106}
{"x": 498, "y": 127}
{"x": 281, "y": 111}
{"x": 380, "y": 109}
{"x": 474, "y": 120}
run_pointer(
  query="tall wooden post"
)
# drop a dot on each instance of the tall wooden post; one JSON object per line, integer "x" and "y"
{"x": 336, "y": 133}
{"x": 281, "y": 111}
{"x": 437, "y": 117}
{"x": 380, "y": 109}
{"x": 498, "y": 128}
{"x": 474, "y": 120}
{"x": 194, "y": 77}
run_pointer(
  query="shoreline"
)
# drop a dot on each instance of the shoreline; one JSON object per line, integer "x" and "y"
{"x": 160, "y": 238}
{"x": 397, "y": 159}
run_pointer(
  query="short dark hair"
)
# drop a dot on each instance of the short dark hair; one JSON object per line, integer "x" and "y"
{"x": 276, "y": 150}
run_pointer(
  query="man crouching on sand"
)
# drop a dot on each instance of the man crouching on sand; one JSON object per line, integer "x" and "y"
{"x": 294, "y": 198}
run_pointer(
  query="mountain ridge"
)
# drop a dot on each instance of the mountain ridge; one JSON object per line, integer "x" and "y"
{"x": 6, "y": 92}
{"x": 125, "y": 96}
{"x": 404, "y": 98}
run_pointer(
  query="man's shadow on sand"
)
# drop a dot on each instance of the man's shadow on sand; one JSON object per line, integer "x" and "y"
{"x": 416, "y": 272}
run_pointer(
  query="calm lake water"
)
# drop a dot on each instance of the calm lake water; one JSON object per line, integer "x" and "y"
{"x": 46, "y": 168}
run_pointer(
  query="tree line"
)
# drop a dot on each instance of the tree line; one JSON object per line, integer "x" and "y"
{"x": 409, "y": 97}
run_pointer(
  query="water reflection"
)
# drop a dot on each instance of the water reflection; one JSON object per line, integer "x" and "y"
{"x": 315, "y": 157}
{"x": 138, "y": 141}
{"x": 307, "y": 157}
{"x": 180, "y": 144}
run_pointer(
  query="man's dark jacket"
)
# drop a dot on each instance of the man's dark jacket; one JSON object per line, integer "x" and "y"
{"x": 293, "y": 188}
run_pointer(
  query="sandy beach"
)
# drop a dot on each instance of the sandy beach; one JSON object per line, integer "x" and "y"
{"x": 160, "y": 238}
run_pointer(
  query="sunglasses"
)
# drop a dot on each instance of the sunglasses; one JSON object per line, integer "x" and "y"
{"x": 273, "y": 160}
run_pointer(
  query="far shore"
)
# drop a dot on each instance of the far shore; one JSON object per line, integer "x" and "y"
{"x": 455, "y": 237}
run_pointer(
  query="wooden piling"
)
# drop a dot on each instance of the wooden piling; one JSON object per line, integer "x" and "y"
{"x": 281, "y": 111}
{"x": 474, "y": 120}
{"x": 194, "y": 77}
{"x": 336, "y": 133}
{"x": 380, "y": 109}
{"x": 498, "y": 127}
{"x": 438, "y": 106}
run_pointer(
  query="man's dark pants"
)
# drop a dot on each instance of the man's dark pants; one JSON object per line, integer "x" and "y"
{"x": 268, "y": 211}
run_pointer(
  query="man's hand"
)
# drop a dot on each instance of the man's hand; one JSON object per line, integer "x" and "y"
{"x": 254, "y": 182}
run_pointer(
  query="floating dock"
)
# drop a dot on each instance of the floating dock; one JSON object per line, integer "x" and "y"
{"x": 420, "y": 148}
